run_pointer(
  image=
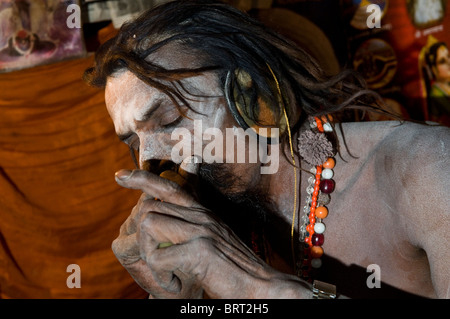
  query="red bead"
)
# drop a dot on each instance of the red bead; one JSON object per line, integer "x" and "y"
{"x": 327, "y": 186}
{"x": 308, "y": 240}
{"x": 317, "y": 239}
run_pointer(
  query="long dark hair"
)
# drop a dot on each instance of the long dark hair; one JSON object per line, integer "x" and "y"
{"x": 226, "y": 39}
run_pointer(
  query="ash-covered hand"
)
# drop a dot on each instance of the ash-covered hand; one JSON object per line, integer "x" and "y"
{"x": 175, "y": 248}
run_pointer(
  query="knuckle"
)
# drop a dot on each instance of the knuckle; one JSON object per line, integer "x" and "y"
{"x": 152, "y": 261}
{"x": 125, "y": 250}
{"x": 205, "y": 245}
{"x": 148, "y": 222}
{"x": 115, "y": 246}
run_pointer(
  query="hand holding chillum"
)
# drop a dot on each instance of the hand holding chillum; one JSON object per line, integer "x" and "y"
{"x": 175, "y": 248}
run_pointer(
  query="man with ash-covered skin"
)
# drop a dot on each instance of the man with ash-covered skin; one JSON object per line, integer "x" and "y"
{"x": 193, "y": 61}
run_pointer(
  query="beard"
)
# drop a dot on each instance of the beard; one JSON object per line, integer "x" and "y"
{"x": 219, "y": 186}
{"x": 245, "y": 209}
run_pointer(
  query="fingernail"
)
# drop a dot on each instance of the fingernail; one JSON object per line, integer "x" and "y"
{"x": 123, "y": 174}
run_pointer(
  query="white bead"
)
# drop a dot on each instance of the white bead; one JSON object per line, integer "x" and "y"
{"x": 316, "y": 262}
{"x": 327, "y": 127}
{"x": 327, "y": 173}
{"x": 309, "y": 190}
{"x": 319, "y": 228}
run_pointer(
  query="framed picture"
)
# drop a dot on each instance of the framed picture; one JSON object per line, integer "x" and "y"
{"x": 35, "y": 32}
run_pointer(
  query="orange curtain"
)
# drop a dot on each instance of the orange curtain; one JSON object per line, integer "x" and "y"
{"x": 59, "y": 203}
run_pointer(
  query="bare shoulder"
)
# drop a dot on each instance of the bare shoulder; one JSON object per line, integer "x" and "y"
{"x": 415, "y": 158}
{"x": 406, "y": 136}
{"x": 408, "y": 146}
{"x": 409, "y": 169}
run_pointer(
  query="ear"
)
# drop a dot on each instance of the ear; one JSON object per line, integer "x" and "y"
{"x": 242, "y": 102}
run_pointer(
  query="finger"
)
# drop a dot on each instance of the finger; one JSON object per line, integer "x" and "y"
{"x": 130, "y": 224}
{"x": 174, "y": 177}
{"x": 186, "y": 260}
{"x": 170, "y": 227}
{"x": 127, "y": 252}
{"x": 126, "y": 249}
{"x": 147, "y": 248}
{"x": 155, "y": 186}
{"x": 143, "y": 207}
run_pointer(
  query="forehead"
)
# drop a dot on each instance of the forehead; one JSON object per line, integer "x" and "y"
{"x": 126, "y": 86}
{"x": 442, "y": 50}
{"x": 125, "y": 94}
{"x": 123, "y": 86}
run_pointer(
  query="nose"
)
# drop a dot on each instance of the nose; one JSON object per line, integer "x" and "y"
{"x": 155, "y": 152}
{"x": 157, "y": 166}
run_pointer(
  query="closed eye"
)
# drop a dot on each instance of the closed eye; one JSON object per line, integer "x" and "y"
{"x": 173, "y": 123}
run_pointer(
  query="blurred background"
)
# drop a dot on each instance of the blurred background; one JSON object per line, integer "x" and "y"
{"x": 59, "y": 203}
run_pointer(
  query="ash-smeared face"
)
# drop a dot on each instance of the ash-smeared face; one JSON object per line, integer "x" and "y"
{"x": 145, "y": 118}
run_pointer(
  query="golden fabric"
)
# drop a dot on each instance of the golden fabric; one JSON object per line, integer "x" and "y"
{"x": 59, "y": 203}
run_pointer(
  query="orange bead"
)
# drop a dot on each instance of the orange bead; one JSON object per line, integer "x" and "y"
{"x": 319, "y": 124}
{"x": 330, "y": 163}
{"x": 316, "y": 251}
{"x": 321, "y": 212}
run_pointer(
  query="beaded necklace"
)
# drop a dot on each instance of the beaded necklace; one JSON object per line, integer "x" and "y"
{"x": 318, "y": 152}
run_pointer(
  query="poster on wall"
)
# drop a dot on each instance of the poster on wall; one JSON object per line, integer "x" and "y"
{"x": 406, "y": 59}
{"x": 35, "y": 32}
